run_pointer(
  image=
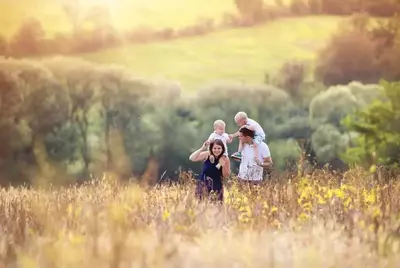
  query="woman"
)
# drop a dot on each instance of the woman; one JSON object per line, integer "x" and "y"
{"x": 210, "y": 179}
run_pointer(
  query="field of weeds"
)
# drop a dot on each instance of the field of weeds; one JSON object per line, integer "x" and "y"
{"x": 313, "y": 221}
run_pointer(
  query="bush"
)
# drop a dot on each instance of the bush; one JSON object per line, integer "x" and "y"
{"x": 362, "y": 50}
{"x": 290, "y": 78}
{"x": 349, "y": 56}
{"x": 252, "y": 9}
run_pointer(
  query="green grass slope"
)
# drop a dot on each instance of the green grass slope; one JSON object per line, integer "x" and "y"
{"x": 125, "y": 14}
{"x": 239, "y": 54}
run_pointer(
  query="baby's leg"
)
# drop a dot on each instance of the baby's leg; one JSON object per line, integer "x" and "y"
{"x": 255, "y": 145}
{"x": 256, "y": 142}
{"x": 240, "y": 146}
{"x": 255, "y": 150}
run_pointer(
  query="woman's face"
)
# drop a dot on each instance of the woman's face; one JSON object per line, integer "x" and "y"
{"x": 217, "y": 150}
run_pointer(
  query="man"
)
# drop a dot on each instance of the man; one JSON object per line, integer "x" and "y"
{"x": 251, "y": 168}
{"x": 242, "y": 120}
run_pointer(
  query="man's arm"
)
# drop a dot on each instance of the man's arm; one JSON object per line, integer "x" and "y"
{"x": 266, "y": 155}
{"x": 267, "y": 162}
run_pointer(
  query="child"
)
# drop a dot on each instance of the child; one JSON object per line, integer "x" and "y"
{"x": 219, "y": 133}
{"x": 242, "y": 120}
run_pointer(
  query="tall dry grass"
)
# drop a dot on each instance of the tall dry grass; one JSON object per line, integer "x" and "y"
{"x": 313, "y": 221}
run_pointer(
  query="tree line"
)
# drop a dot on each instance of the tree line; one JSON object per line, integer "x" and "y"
{"x": 64, "y": 119}
{"x": 30, "y": 38}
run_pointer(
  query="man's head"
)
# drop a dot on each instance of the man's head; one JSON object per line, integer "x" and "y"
{"x": 246, "y": 135}
{"x": 219, "y": 127}
{"x": 241, "y": 118}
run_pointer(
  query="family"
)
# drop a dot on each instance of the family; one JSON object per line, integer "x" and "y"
{"x": 253, "y": 154}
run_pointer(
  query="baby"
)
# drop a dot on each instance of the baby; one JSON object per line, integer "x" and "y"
{"x": 242, "y": 120}
{"x": 219, "y": 133}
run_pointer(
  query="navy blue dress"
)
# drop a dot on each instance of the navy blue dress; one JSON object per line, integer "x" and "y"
{"x": 210, "y": 180}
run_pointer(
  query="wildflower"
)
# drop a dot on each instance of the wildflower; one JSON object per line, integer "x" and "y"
{"x": 166, "y": 215}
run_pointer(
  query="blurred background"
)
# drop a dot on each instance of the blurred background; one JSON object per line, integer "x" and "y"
{"x": 133, "y": 87}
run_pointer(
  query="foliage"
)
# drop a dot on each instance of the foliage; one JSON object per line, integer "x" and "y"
{"x": 75, "y": 118}
{"x": 378, "y": 129}
{"x": 384, "y": 8}
{"x": 362, "y": 50}
{"x": 338, "y": 101}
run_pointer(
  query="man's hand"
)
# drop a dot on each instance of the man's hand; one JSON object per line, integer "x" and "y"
{"x": 267, "y": 163}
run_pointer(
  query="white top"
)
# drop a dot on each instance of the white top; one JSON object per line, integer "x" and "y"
{"x": 224, "y": 138}
{"x": 257, "y": 128}
{"x": 214, "y": 136}
{"x": 249, "y": 170}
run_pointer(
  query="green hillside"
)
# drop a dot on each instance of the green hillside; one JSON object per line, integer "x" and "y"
{"x": 125, "y": 14}
{"x": 240, "y": 54}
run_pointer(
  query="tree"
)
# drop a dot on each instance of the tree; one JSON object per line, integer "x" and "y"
{"x": 3, "y": 45}
{"x": 378, "y": 128}
{"x": 336, "y": 102}
{"x": 28, "y": 39}
{"x": 251, "y": 9}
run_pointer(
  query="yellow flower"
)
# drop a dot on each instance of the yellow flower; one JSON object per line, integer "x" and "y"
{"x": 166, "y": 215}
{"x": 303, "y": 217}
{"x": 321, "y": 201}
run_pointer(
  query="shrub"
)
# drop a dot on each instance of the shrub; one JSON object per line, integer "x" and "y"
{"x": 349, "y": 56}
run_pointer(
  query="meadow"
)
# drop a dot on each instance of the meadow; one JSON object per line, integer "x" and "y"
{"x": 238, "y": 54}
{"x": 125, "y": 14}
{"x": 92, "y": 121}
{"x": 306, "y": 221}
{"x": 244, "y": 54}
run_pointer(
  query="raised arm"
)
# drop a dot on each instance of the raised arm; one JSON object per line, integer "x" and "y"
{"x": 200, "y": 154}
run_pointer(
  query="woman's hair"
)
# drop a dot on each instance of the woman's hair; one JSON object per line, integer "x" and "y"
{"x": 217, "y": 142}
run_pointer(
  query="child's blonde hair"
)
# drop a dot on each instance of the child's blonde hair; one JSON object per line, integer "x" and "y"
{"x": 219, "y": 123}
{"x": 240, "y": 115}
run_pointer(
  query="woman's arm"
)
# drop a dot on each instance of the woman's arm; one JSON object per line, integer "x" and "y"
{"x": 199, "y": 155}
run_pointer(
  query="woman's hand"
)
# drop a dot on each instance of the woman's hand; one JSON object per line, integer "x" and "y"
{"x": 206, "y": 144}
{"x": 199, "y": 155}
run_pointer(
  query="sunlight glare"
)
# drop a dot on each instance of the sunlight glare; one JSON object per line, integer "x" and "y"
{"x": 107, "y": 3}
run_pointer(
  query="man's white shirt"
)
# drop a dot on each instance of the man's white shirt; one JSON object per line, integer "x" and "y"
{"x": 248, "y": 169}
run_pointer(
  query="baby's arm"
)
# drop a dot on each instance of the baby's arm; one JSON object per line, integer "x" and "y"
{"x": 229, "y": 138}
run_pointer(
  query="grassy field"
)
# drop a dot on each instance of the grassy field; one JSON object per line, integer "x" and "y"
{"x": 239, "y": 54}
{"x": 308, "y": 222}
{"x": 125, "y": 14}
